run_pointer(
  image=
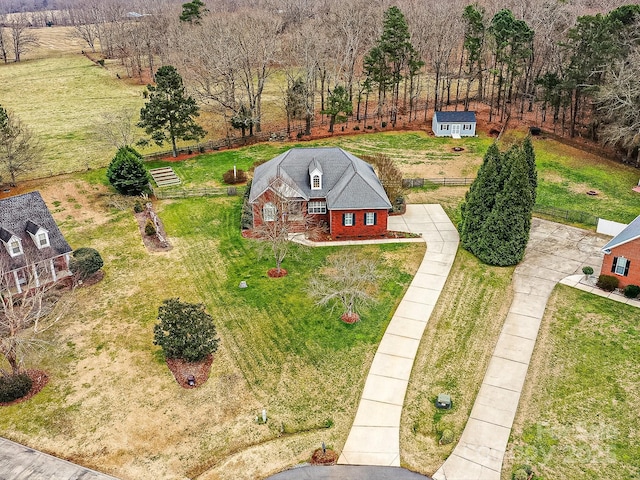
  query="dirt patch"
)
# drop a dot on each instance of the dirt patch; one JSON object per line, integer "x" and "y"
{"x": 183, "y": 371}
{"x": 39, "y": 380}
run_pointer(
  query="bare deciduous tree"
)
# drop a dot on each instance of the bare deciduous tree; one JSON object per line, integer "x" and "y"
{"x": 116, "y": 128}
{"x": 19, "y": 147}
{"x": 25, "y": 315}
{"x": 277, "y": 216}
{"x": 348, "y": 281}
{"x": 21, "y": 38}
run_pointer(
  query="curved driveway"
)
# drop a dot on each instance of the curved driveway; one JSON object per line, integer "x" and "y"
{"x": 554, "y": 251}
{"x": 374, "y": 438}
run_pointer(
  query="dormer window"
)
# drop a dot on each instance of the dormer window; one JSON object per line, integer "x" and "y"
{"x": 42, "y": 239}
{"x": 39, "y": 235}
{"x": 14, "y": 246}
{"x": 315, "y": 175}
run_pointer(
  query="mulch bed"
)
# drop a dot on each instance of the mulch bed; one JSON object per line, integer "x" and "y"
{"x": 350, "y": 318}
{"x": 274, "y": 273}
{"x": 39, "y": 379}
{"x": 152, "y": 242}
{"x": 328, "y": 458}
{"x": 181, "y": 370}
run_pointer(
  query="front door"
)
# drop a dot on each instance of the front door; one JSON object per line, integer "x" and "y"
{"x": 455, "y": 129}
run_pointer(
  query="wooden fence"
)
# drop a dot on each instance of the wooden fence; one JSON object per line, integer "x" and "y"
{"x": 197, "y": 192}
{"x": 443, "y": 181}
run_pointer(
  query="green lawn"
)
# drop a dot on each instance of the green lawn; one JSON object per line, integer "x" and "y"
{"x": 578, "y": 413}
{"x": 278, "y": 350}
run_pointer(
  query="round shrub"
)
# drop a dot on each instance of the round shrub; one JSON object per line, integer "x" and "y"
{"x": 383, "y": 124}
{"x": 149, "y": 227}
{"x": 631, "y": 291}
{"x": 13, "y": 387}
{"x": 138, "y": 207}
{"x": 239, "y": 177}
{"x": 85, "y": 262}
{"x": 608, "y": 283}
{"x": 446, "y": 437}
{"x": 126, "y": 172}
{"x": 587, "y": 270}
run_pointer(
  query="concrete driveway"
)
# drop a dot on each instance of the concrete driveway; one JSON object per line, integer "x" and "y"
{"x": 554, "y": 252}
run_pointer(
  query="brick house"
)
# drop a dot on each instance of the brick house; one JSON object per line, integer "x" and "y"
{"x": 622, "y": 255}
{"x": 33, "y": 251}
{"x": 329, "y": 185}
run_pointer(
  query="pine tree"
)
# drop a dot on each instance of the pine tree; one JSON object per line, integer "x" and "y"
{"x": 505, "y": 233}
{"x": 338, "y": 103}
{"x": 169, "y": 114}
{"x": 127, "y": 173}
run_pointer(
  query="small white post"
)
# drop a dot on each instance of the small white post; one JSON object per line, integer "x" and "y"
{"x": 235, "y": 174}
{"x": 264, "y": 415}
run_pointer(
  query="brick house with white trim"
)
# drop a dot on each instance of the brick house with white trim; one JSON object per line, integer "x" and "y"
{"x": 622, "y": 255}
{"x": 33, "y": 251}
{"x": 328, "y": 184}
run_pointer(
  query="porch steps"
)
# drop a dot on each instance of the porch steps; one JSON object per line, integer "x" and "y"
{"x": 164, "y": 176}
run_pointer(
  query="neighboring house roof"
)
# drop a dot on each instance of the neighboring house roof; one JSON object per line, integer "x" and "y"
{"x": 452, "y": 117}
{"x": 631, "y": 232}
{"x": 347, "y": 181}
{"x": 24, "y": 214}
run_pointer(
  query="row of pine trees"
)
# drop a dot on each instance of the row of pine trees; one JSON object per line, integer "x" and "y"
{"x": 496, "y": 213}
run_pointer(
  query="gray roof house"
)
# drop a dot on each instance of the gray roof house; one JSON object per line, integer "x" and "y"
{"x": 329, "y": 182}
{"x": 454, "y": 124}
{"x": 32, "y": 248}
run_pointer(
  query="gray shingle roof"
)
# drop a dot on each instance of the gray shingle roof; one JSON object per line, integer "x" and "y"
{"x": 21, "y": 212}
{"x": 446, "y": 117}
{"x": 631, "y": 232}
{"x": 347, "y": 181}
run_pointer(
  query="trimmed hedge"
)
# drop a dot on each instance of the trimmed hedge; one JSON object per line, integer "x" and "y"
{"x": 631, "y": 291}
{"x": 13, "y": 387}
{"x": 608, "y": 283}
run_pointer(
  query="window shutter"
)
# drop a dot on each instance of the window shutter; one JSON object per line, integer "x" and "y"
{"x": 375, "y": 218}
{"x": 344, "y": 219}
{"x": 613, "y": 265}
{"x": 626, "y": 268}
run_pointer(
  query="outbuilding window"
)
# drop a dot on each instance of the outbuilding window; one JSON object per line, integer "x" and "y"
{"x": 466, "y": 126}
{"x": 444, "y": 127}
{"x": 620, "y": 266}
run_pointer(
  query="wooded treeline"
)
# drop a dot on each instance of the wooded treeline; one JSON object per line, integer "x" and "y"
{"x": 575, "y": 63}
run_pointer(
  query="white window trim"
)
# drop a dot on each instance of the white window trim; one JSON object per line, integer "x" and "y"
{"x": 10, "y": 245}
{"x": 351, "y": 218}
{"x": 621, "y": 265}
{"x": 317, "y": 208}
{"x": 367, "y": 216}
{"x": 269, "y": 212}
{"x": 313, "y": 182}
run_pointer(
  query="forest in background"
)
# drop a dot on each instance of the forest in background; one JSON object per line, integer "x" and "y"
{"x": 574, "y": 63}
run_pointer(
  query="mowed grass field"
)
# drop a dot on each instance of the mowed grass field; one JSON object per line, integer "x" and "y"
{"x": 578, "y": 415}
{"x": 112, "y": 403}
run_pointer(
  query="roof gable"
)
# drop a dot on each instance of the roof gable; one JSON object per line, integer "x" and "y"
{"x": 346, "y": 179}
{"x": 452, "y": 117}
{"x": 23, "y": 216}
{"x": 629, "y": 234}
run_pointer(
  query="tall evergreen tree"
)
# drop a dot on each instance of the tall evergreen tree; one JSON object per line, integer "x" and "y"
{"x": 169, "y": 114}
{"x": 505, "y": 232}
{"x": 530, "y": 156}
{"x": 338, "y": 103}
{"x": 480, "y": 199}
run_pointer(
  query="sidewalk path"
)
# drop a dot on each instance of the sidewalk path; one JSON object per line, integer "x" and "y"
{"x": 18, "y": 462}
{"x": 554, "y": 251}
{"x": 374, "y": 438}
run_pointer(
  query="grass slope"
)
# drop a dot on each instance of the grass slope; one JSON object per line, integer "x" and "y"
{"x": 453, "y": 357}
{"x": 578, "y": 413}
